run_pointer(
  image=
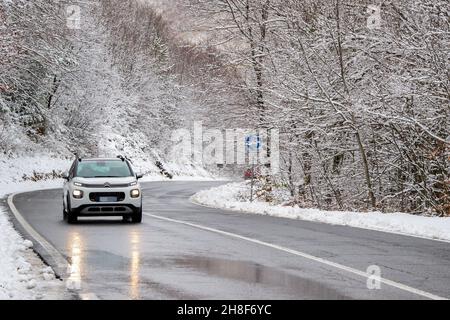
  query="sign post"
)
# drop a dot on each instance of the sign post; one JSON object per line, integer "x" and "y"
{"x": 252, "y": 144}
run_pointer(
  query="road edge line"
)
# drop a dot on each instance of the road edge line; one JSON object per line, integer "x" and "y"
{"x": 306, "y": 256}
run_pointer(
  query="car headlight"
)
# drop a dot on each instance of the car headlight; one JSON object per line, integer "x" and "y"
{"x": 135, "y": 193}
{"x": 77, "y": 194}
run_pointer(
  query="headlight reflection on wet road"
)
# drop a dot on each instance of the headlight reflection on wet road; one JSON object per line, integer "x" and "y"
{"x": 75, "y": 247}
{"x": 135, "y": 239}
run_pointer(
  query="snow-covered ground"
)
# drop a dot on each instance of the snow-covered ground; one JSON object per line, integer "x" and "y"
{"x": 235, "y": 196}
{"x": 22, "y": 274}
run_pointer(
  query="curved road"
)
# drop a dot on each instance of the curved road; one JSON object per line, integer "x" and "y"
{"x": 186, "y": 251}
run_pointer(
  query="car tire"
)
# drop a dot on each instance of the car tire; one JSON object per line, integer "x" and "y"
{"x": 65, "y": 216}
{"x": 71, "y": 216}
{"x": 137, "y": 216}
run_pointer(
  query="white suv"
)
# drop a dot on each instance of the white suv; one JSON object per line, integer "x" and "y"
{"x": 102, "y": 187}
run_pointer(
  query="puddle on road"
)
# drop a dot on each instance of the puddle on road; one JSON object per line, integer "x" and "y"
{"x": 258, "y": 274}
{"x": 126, "y": 275}
{"x": 85, "y": 263}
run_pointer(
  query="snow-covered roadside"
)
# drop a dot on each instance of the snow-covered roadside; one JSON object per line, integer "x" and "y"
{"x": 22, "y": 274}
{"x": 234, "y": 196}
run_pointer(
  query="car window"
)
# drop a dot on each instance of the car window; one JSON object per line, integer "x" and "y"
{"x": 103, "y": 168}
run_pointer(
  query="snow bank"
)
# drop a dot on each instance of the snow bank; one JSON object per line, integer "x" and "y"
{"x": 233, "y": 197}
{"x": 180, "y": 172}
{"x": 22, "y": 274}
{"x": 43, "y": 171}
{"x": 22, "y": 173}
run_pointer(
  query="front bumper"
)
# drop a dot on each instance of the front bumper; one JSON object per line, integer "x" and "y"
{"x": 88, "y": 206}
{"x": 90, "y": 210}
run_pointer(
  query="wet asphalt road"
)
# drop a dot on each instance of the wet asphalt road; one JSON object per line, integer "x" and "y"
{"x": 162, "y": 259}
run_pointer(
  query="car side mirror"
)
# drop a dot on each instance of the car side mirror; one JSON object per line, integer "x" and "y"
{"x": 65, "y": 176}
{"x": 139, "y": 175}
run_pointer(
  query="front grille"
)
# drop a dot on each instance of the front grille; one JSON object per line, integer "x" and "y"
{"x": 112, "y": 196}
{"x": 106, "y": 209}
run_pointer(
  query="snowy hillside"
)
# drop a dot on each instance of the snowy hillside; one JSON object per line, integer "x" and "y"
{"x": 95, "y": 108}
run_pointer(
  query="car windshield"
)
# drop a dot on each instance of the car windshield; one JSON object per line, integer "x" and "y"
{"x": 103, "y": 169}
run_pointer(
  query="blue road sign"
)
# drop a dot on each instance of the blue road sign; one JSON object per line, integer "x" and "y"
{"x": 253, "y": 142}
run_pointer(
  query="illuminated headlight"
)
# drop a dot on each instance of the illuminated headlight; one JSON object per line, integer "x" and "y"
{"x": 77, "y": 194}
{"x": 135, "y": 193}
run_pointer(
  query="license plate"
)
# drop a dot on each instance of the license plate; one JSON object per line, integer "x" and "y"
{"x": 107, "y": 199}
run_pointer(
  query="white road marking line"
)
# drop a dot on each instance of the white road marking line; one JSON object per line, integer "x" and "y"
{"x": 321, "y": 222}
{"x": 304, "y": 255}
{"x": 60, "y": 262}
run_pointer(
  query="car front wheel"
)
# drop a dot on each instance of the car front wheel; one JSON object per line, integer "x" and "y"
{"x": 65, "y": 215}
{"x": 137, "y": 216}
{"x": 69, "y": 215}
